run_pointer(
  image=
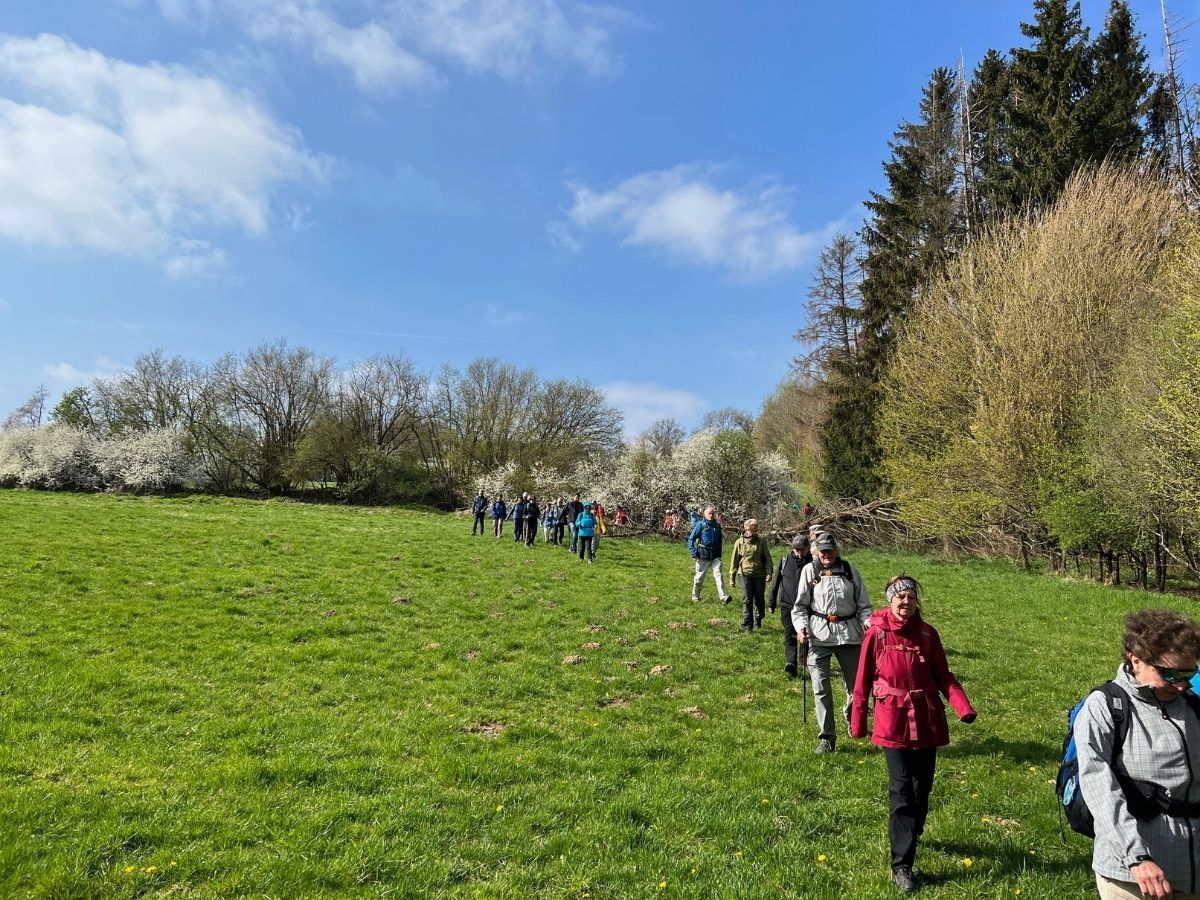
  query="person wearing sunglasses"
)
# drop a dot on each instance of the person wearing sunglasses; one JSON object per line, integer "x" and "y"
{"x": 1145, "y": 797}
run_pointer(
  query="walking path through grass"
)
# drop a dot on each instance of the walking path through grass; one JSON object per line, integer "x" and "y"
{"x": 216, "y": 698}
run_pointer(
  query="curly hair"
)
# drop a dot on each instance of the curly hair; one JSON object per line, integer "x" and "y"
{"x": 1151, "y": 634}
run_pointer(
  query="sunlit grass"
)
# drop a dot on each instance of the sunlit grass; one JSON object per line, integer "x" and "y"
{"x": 223, "y": 698}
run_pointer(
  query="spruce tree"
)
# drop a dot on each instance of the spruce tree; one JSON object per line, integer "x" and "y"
{"x": 990, "y": 99}
{"x": 1050, "y": 79}
{"x": 1121, "y": 91}
{"x": 913, "y": 229}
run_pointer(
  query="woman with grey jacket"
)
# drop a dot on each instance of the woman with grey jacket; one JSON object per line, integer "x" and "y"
{"x": 1147, "y": 832}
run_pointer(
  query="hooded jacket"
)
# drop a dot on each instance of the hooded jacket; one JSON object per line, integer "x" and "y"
{"x": 903, "y": 666}
{"x": 837, "y": 593}
{"x": 751, "y": 557}
{"x": 1162, "y": 746}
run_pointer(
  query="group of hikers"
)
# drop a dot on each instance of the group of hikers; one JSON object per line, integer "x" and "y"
{"x": 1134, "y": 757}
{"x": 582, "y": 519}
{"x": 1135, "y": 740}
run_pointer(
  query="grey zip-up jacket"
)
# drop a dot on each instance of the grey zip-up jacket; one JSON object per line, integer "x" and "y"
{"x": 845, "y": 598}
{"x": 1162, "y": 746}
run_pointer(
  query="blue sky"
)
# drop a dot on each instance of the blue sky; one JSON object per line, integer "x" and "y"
{"x": 628, "y": 193}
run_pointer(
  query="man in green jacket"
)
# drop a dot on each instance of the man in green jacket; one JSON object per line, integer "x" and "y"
{"x": 752, "y": 561}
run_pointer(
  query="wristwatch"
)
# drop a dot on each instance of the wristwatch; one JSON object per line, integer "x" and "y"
{"x": 1141, "y": 858}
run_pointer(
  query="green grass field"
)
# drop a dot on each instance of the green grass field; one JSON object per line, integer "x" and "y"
{"x": 218, "y": 698}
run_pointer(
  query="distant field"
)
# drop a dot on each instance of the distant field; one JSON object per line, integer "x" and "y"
{"x": 217, "y": 698}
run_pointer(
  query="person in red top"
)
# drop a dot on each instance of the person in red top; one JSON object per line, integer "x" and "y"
{"x": 903, "y": 666}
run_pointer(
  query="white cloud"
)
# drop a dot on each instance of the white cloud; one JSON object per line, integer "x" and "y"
{"x": 644, "y": 403}
{"x": 397, "y": 42}
{"x": 132, "y": 159}
{"x": 497, "y": 315}
{"x": 68, "y": 374}
{"x": 682, "y": 213}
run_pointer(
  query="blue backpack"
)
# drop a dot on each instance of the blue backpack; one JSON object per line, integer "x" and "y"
{"x": 1144, "y": 799}
{"x": 708, "y": 541}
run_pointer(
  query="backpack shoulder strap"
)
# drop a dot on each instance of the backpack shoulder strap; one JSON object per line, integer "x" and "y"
{"x": 1118, "y": 708}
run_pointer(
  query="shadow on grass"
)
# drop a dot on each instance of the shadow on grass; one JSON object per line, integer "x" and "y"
{"x": 1010, "y": 860}
{"x": 1023, "y": 753}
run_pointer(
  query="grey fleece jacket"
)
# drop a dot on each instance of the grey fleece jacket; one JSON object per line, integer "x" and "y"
{"x": 1162, "y": 746}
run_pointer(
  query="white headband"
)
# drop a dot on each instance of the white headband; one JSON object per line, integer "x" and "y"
{"x": 904, "y": 584}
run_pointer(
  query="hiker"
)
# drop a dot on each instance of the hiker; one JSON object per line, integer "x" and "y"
{"x": 601, "y": 528}
{"x": 550, "y": 523}
{"x": 903, "y": 667}
{"x": 499, "y": 514}
{"x": 479, "y": 510}
{"x": 518, "y": 517}
{"x": 752, "y": 562}
{"x": 830, "y": 615}
{"x": 783, "y": 594}
{"x": 585, "y": 530}
{"x": 705, "y": 546}
{"x": 560, "y": 527}
{"x": 533, "y": 515}
{"x": 808, "y": 510}
{"x": 1156, "y": 856}
{"x": 573, "y": 511}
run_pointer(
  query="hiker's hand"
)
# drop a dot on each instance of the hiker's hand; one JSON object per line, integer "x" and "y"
{"x": 771, "y": 607}
{"x": 803, "y": 635}
{"x": 968, "y": 718}
{"x": 1150, "y": 879}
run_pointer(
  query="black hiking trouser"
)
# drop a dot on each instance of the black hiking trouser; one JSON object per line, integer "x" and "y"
{"x": 530, "y": 532}
{"x": 518, "y": 530}
{"x": 478, "y": 523}
{"x": 585, "y": 547}
{"x": 791, "y": 647}
{"x": 910, "y": 779}
{"x": 754, "y": 600}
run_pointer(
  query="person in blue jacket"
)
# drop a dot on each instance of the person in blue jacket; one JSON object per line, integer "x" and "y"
{"x": 478, "y": 510}
{"x": 585, "y": 530}
{"x": 518, "y": 517}
{"x": 705, "y": 546}
{"x": 499, "y": 514}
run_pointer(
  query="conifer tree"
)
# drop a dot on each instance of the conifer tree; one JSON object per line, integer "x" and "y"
{"x": 1120, "y": 95}
{"x": 990, "y": 100}
{"x": 913, "y": 229}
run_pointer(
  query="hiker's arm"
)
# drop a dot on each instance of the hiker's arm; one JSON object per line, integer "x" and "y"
{"x": 862, "y": 685}
{"x": 1094, "y": 731}
{"x": 766, "y": 552}
{"x": 948, "y": 684}
{"x": 775, "y": 585}
{"x": 862, "y": 601}
{"x": 803, "y": 605}
{"x": 692, "y": 538}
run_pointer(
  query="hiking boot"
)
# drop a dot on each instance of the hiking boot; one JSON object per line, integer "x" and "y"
{"x": 727, "y": 599}
{"x": 791, "y": 670}
{"x": 903, "y": 876}
{"x": 695, "y": 599}
{"x": 824, "y": 746}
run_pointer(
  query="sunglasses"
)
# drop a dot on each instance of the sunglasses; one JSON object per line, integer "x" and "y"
{"x": 1174, "y": 676}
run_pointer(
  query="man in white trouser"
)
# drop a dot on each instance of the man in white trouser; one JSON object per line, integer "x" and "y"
{"x": 704, "y": 544}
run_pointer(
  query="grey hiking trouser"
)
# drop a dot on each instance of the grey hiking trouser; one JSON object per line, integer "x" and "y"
{"x": 703, "y": 567}
{"x": 818, "y": 669}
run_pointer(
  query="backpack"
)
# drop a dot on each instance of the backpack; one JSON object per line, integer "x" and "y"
{"x": 708, "y": 540}
{"x": 1145, "y": 800}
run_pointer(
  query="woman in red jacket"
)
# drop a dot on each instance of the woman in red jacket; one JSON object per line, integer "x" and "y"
{"x": 903, "y": 666}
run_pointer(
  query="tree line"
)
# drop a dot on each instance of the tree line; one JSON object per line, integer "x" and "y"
{"x": 285, "y": 420}
{"x": 1004, "y": 347}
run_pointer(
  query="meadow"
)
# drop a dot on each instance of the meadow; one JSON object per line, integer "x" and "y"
{"x": 207, "y": 697}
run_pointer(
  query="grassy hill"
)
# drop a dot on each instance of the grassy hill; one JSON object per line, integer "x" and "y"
{"x": 214, "y": 698}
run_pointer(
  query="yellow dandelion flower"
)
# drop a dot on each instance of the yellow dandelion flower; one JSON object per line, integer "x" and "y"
{"x": 150, "y": 869}
{"x": 662, "y": 885}
{"x": 967, "y": 861}
{"x": 738, "y": 854}
{"x": 861, "y": 762}
{"x": 1016, "y": 890}
{"x": 499, "y": 807}
{"x": 974, "y": 796}
{"x": 129, "y": 869}
{"x": 765, "y": 801}
{"x": 693, "y": 870}
{"x": 173, "y": 863}
{"x": 821, "y": 857}
{"x": 1033, "y": 768}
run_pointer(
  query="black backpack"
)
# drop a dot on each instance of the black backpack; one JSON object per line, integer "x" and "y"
{"x": 1145, "y": 800}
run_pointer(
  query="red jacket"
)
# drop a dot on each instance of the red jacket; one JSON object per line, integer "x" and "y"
{"x": 903, "y": 666}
